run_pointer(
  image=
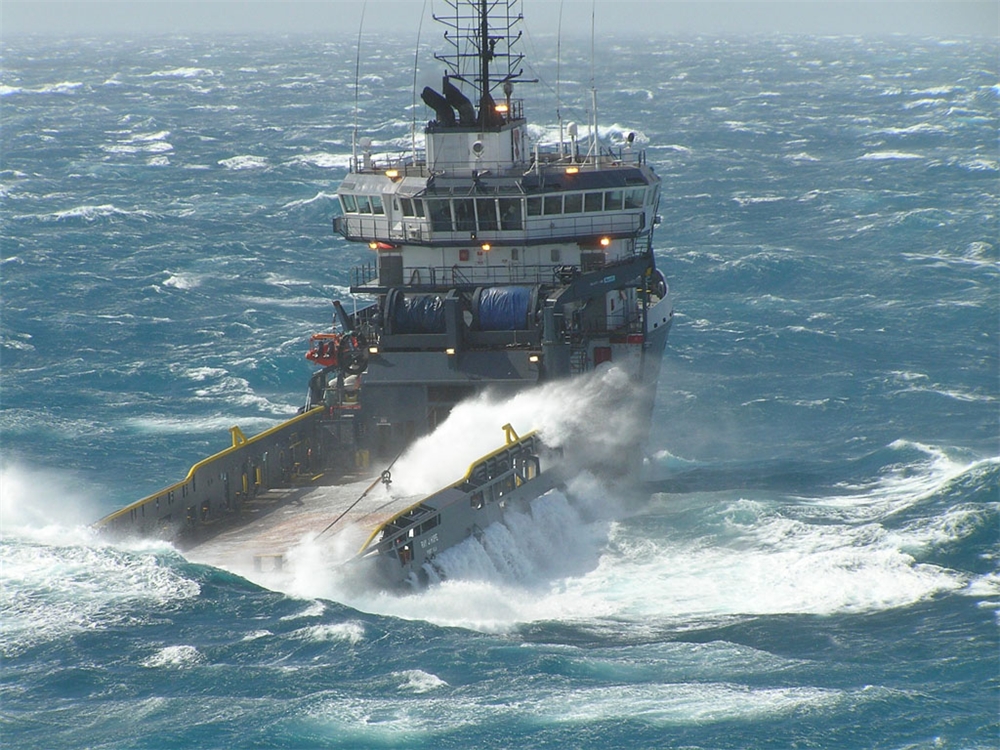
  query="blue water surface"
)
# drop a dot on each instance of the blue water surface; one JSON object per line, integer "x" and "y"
{"x": 811, "y": 558}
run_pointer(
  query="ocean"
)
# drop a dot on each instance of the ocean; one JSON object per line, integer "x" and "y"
{"x": 810, "y": 558}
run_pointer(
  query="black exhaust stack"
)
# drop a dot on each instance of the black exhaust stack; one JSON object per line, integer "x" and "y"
{"x": 458, "y": 100}
{"x": 434, "y": 100}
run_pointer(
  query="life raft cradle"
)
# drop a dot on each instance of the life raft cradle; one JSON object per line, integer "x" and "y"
{"x": 324, "y": 349}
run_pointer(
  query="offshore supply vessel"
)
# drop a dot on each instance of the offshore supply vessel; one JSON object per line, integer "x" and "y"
{"x": 497, "y": 264}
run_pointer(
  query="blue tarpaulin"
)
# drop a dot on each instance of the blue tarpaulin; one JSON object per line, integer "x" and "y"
{"x": 423, "y": 314}
{"x": 504, "y": 308}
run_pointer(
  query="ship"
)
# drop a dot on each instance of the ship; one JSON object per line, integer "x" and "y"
{"x": 497, "y": 264}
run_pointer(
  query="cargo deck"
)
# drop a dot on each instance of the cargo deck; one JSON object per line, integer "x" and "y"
{"x": 275, "y": 522}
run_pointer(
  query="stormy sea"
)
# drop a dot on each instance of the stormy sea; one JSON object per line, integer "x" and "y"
{"x": 810, "y": 558}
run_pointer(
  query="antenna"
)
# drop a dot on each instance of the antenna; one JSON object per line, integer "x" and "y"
{"x": 357, "y": 85}
{"x": 593, "y": 88}
{"x": 559, "y": 81}
{"x": 416, "y": 57}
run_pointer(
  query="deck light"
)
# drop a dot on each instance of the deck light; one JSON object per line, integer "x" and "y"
{"x": 534, "y": 358}
{"x": 605, "y": 241}
{"x": 392, "y": 174}
{"x": 373, "y": 246}
{"x": 450, "y": 352}
{"x": 572, "y": 170}
{"x": 487, "y": 247}
{"x": 373, "y": 350}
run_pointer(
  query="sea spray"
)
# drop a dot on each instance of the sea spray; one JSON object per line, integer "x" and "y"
{"x": 595, "y": 417}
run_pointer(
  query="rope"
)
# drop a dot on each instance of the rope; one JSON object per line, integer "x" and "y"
{"x": 378, "y": 480}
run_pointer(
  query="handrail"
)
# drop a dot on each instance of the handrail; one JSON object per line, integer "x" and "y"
{"x": 527, "y": 440}
{"x": 239, "y": 443}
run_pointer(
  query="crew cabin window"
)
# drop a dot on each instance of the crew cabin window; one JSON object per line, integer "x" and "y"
{"x": 593, "y": 202}
{"x": 364, "y": 206}
{"x": 510, "y": 214}
{"x": 486, "y": 209}
{"x": 534, "y": 206}
{"x": 553, "y": 204}
{"x": 348, "y": 203}
{"x": 377, "y": 205}
{"x": 573, "y": 204}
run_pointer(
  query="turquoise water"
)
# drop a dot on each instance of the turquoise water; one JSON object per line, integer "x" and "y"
{"x": 811, "y": 558}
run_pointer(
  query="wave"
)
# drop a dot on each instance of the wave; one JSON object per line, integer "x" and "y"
{"x": 218, "y": 424}
{"x": 182, "y": 72}
{"x": 63, "y": 87}
{"x": 93, "y": 213}
{"x": 323, "y": 198}
{"x": 183, "y": 281}
{"x": 174, "y": 657}
{"x": 890, "y": 156}
{"x": 59, "y": 582}
{"x": 248, "y": 161}
{"x": 323, "y": 160}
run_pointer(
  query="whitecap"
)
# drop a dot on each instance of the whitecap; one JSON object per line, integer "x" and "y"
{"x": 182, "y": 72}
{"x": 323, "y": 160}
{"x": 182, "y": 281}
{"x": 218, "y": 424}
{"x": 64, "y": 87}
{"x": 257, "y": 635}
{"x": 351, "y": 632}
{"x": 319, "y": 197}
{"x": 753, "y": 200}
{"x": 247, "y": 161}
{"x": 419, "y": 681}
{"x": 93, "y": 213}
{"x": 174, "y": 657}
{"x": 889, "y": 156}
{"x": 314, "y": 609}
{"x": 683, "y": 704}
{"x": 986, "y": 586}
{"x": 57, "y": 582}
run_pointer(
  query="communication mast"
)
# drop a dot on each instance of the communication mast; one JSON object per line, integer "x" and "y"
{"x": 483, "y": 37}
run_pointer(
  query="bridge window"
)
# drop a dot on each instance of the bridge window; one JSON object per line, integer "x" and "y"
{"x": 573, "y": 204}
{"x": 407, "y": 206}
{"x": 613, "y": 200}
{"x": 364, "y": 205}
{"x": 553, "y": 204}
{"x": 535, "y": 206}
{"x": 510, "y": 214}
{"x": 440, "y": 212}
{"x": 377, "y": 205}
{"x": 465, "y": 216}
{"x": 593, "y": 202}
{"x": 634, "y": 198}
{"x": 348, "y": 203}
{"x": 486, "y": 209}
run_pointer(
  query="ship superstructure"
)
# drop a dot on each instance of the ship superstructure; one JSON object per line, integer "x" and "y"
{"x": 496, "y": 264}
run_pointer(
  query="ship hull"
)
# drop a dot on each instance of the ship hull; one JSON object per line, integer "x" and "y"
{"x": 250, "y": 507}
